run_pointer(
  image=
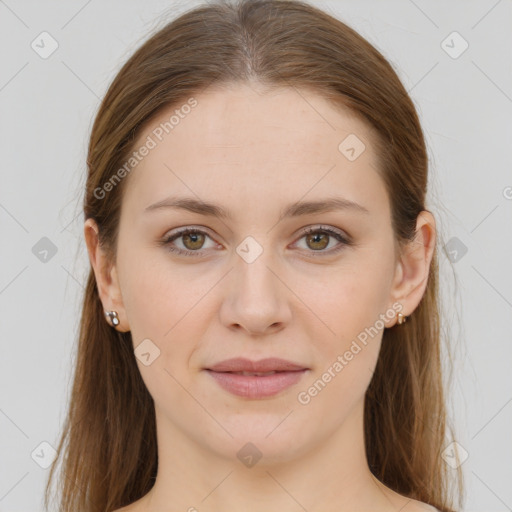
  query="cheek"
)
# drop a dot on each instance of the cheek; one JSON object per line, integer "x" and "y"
{"x": 155, "y": 299}
{"x": 159, "y": 304}
{"x": 162, "y": 303}
{"x": 349, "y": 298}
{"x": 148, "y": 301}
{"x": 350, "y": 303}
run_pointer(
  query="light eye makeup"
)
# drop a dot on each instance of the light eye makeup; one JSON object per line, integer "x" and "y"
{"x": 191, "y": 236}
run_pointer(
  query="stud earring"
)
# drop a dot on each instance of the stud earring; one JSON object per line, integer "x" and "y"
{"x": 112, "y": 317}
{"x": 401, "y": 319}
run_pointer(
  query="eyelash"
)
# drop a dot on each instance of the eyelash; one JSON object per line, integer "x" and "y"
{"x": 345, "y": 241}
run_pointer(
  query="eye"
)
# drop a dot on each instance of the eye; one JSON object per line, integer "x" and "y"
{"x": 192, "y": 241}
{"x": 318, "y": 238}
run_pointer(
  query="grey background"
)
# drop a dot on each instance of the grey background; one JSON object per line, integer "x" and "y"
{"x": 47, "y": 109}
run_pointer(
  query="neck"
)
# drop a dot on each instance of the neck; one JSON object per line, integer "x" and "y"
{"x": 330, "y": 475}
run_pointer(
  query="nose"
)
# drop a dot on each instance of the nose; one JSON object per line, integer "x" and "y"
{"x": 257, "y": 300}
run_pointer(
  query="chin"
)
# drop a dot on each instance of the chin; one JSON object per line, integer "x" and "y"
{"x": 268, "y": 439}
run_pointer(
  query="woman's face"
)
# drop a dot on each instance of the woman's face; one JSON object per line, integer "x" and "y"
{"x": 251, "y": 283}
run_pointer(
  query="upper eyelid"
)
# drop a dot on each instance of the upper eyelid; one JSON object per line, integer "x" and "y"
{"x": 181, "y": 231}
{"x": 192, "y": 227}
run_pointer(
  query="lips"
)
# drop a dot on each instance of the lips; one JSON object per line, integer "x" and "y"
{"x": 271, "y": 364}
{"x": 256, "y": 379}
{"x": 253, "y": 374}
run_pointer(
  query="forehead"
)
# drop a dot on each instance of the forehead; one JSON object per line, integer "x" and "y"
{"x": 244, "y": 116}
{"x": 249, "y": 140}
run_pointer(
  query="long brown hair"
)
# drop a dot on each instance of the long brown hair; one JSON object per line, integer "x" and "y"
{"x": 108, "y": 446}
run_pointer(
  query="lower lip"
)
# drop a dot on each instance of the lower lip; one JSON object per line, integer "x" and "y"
{"x": 252, "y": 386}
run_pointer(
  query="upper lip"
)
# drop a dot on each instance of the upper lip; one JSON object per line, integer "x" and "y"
{"x": 240, "y": 364}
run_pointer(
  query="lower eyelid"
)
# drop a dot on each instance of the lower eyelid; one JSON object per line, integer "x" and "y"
{"x": 343, "y": 241}
{"x": 172, "y": 238}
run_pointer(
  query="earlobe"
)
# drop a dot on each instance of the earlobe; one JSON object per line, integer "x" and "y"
{"x": 106, "y": 277}
{"x": 413, "y": 267}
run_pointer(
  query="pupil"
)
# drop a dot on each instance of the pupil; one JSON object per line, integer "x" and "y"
{"x": 193, "y": 238}
{"x": 315, "y": 239}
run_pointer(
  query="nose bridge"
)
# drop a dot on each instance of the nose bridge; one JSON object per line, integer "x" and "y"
{"x": 252, "y": 274}
{"x": 257, "y": 297}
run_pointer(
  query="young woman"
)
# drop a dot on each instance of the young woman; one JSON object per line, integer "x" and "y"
{"x": 260, "y": 327}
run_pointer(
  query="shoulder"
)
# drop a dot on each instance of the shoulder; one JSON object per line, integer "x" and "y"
{"x": 136, "y": 506}
{"x": 418, "y": 506}
{"x": 405, "y": 503}
{"x": 129, "y": 508}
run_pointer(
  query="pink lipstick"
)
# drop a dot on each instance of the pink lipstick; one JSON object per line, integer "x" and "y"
{"x": 256, "y": 379}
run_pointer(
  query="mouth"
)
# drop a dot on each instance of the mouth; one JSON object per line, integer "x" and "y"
{"x": 257, "y": 374}
{"x": 256, "y": 379}
{"x": 268, "y": 365}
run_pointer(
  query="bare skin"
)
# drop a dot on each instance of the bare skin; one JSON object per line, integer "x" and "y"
{"x": 254, "y": 152}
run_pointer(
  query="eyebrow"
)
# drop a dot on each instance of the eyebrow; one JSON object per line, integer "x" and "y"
{"x": 296, "y": 209}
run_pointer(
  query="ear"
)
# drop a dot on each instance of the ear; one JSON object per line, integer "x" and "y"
{"x": 106, "y": 275}
{"x": 413, "y": 265}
